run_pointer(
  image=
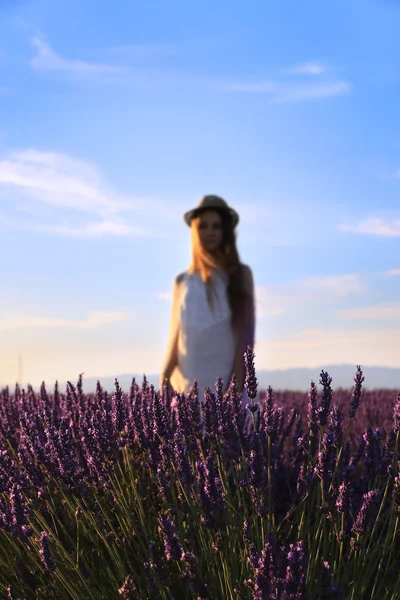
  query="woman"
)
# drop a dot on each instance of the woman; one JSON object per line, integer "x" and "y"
{"x": 213, "y": 311}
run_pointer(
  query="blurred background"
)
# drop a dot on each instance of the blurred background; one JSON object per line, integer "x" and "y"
{"x": 116, "y": 118}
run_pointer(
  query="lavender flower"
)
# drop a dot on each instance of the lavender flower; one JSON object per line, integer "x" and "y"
{"x": 128, "y": 590}
{"x": 295, "y": 582}
{"x": 182, "y": 462}
{"x": 172, "y": 546}
{"x": 250, "y": 381}
{"x": 191, "y": 575}
{"x": 366, "y": 516}
{"x": 246, "y": 531}
{"x": 396, "y": 415}
{"x": 372, "y": 451}
{"x": 396, "y": 491}
{"x": 264, "y": 574}
{"x": 195, "y": 430}
{"x": 211, "y": 494}
{"x": 19, "y": 510}
{"x": 344, "y": 499}
{"x": 312, "y": 418}
{"x": 336, "y": 424}
{"x": 257, "y": 475}
{"x": 210, "y": 415}
{"x": 269, "y": 421}
{"x": 326, "y": 458}
{"x": 219, "y": 408}
{"x": 119, "y": 408}
{"x": 160, "y": 419}
{"x": 44, "y": 552}
{"x": 357, "y": 392}
{"x": 11, "y": 593}
{"x": 324, "y": 407}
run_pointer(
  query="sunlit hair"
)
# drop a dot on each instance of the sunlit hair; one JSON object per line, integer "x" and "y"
{"x": 227, "y": 258}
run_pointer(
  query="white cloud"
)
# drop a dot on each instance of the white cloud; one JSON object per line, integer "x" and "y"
{"x": 68, "y": 184}
{"x": 308, "y": 68}
{"x": 47, "y": 60}
{"x": 276, "y": 300}
{"x": 382, "y": 311}
{"x": 373, "y": 226}
{"x": 165, "y": 296}
{"x": 312, "y": 92}
{"x": 391, "y": 273}
{"x": 144, "y": 50}
{"x": 281, "y": 92}
{"x": 94, "y": 321}
{"x": 290, "y": 91}
{"x": 261, "y": 87}
{"x": 90, "y": 230}
{"x": 336, "y": 285}
{"x": 313, "y": 347}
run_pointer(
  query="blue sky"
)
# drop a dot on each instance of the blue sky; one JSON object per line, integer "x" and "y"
{"x": 116, "y": 119}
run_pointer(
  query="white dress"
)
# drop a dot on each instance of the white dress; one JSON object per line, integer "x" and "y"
{"x": 206, "y": 343}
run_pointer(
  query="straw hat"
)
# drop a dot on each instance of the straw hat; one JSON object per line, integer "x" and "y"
{"x": 211, "y": 201}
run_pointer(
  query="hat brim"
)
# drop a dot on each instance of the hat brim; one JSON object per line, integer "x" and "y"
{"x": 191, "y": 214}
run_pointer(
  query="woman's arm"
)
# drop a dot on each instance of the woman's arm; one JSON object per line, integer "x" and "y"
{"x": 247, "y": 332}
{"x": 171, "y": 353}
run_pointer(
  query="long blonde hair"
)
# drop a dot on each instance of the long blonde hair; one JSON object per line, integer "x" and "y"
{"x": 226, "y": 258}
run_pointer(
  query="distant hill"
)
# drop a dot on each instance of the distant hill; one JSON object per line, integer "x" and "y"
{"x": 298, "y": 379}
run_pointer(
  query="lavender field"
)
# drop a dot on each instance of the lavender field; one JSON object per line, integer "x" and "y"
{"x": 143, "y": 495}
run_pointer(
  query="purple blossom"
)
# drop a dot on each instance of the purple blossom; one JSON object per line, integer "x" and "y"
{"x": 237, "y": 414}
{"x": 357, "y": 392}
{"x": 264, "y": 574}
{"x": 312, "y": 418}
{"x": 128, "y": 590}
{"x": 210, "y": 414}
{"x": 344, "y": 499}
{"x": 182, "y": 462}
{"x": 191, "y": 575}
{"x": 396, "y": 490}
{"x": 295, "y": 582}
{"x": 172, "y": 546}
{"x": 250, "y": 381}
{"x": 268, "y": 415}
{"x": 326, "y": 458}
{"x": 336, "y": 424}
{"x": 219, "y": 407}
{"x": 246, "y": 531}
{"x": 253, "y": 407}
{"x": 19, "y": 510}
{"x": 304, "y": 480}
{"x": 195, "y": 427}
{"x": 324, "y": 407}
{"x": 372, "y": 451}
{"x": 211, "y": 494}
{"x": 366, "y": 516}
{"x": 180, "y": 403}
{"x": 160, "y": 417}
{"x": 396, "y": 415}
{"x": 44, "y": 552}
{"x": 257, "y": 475}
{"x": 118, "y": 408}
